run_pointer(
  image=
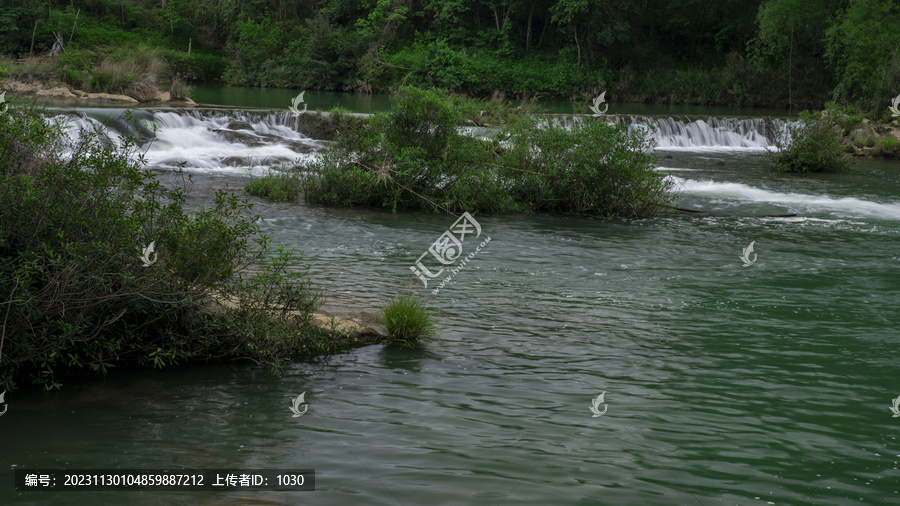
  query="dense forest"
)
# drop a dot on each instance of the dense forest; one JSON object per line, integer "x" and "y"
{"x": 780, "y": 53}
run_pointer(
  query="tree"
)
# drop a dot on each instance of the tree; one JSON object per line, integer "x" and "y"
{"x": 863, "y": 48}
{"x": 794, "y": 26}
{"x": 565, "y": 12}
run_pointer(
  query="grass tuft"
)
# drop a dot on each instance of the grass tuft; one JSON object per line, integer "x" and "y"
{"x": 408, "y": 320}
{"x": 276, "y": 185}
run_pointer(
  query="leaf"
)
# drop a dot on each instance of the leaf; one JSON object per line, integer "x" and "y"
{"x": 4, "y": 392}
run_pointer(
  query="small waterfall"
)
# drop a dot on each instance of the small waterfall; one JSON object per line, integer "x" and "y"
{"x": 710, "y": 133}
{"x": 204, "y": 140}
{"x": 235, "y": 140}
{"x": 699, "y": 134}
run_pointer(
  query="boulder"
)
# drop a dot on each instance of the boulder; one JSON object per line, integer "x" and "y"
{"x": 111, "y": 98}
{"x": 57, "y": 92}
{"x": 21, "y": 88}
{"x": 239, "y": 125}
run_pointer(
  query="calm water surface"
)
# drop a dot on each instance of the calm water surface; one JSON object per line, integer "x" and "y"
{"x": 272, "y": 98}
{"x": 725, "y": 384}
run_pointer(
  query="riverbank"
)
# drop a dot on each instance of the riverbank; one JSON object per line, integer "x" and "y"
{"x": 45, "y": 87}
{"x": 135, "y": 268}
{"x": 871, "y": 139}
{"x": 360, "y": 327}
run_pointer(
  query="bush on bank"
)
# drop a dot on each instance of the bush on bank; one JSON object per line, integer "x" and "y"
{"x": 415, "y": 157}
{"x": 813, "y": 144}
{"x": 75, "y": 295}
{"x": 277, "y": 186}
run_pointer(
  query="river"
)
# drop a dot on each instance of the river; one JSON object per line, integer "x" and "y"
{"x": 725, "y": 383}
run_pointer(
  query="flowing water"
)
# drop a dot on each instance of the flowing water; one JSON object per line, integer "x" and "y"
{"x": 725, "y": 383}
{"x": 278, "y": 98}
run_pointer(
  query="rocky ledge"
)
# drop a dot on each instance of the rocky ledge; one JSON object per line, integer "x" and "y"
{"x": 873, "y": 140}
{"x": 361, "y": 327}
{"x": 63, "y": 92}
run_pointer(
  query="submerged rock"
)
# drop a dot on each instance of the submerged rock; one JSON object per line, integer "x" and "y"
{"x": 239, "y": 125}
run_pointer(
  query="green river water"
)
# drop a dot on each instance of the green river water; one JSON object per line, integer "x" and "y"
{"x": 724, "y": 383}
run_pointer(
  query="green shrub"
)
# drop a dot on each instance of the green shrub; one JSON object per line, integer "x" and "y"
{"x": 414, "y": 158}
{"x": 812, "y": 145}
{"x": 331, "y": 54}
{"x": 864, "y": 141}
{"x": 888, "y": 147}
{"x": 419, "y": 118}
{"x": 861, "y": 47}
{"x": 134, "y": 70}
{"x": 482, "y": 72}
{"x": 197, "y": 66}
{"x": 592, "y": 168}
{"x": 848, "y": 117}
{"x": 276, "y": 185}
{"x": 75, "y": 295}
{"x": 408, "y": 320}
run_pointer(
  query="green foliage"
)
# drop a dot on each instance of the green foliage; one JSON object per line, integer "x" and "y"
{"x": 332, "y": 54}
{"x": 255, "y": 47}
{"x": 681, "y": 86}
{"x": 419, "y": 119}
{"x": 409, "y": 321}
{"x": 812, "y": 145}
{"x": 863, "y": 47}
{"x": 864, "y": 140}
{"x": 117, "y": 69}
{"x": 413, "y": 157}
{"x": 483, "y": 72}
{"x": 277, "y": 186}
{"x": 794, "y": 25}
{"x": 888, "y": 147}
{"x": 776, "y": 53}
{"x": 847, "y": 117}
{"x": 15, "y": 21}
{"x": 591, "y": 168}
{"x": 75, "y": 296}
{"x": 197, "y": 66}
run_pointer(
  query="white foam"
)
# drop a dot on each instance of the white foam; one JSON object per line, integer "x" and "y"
{"x": 846, "y": 207}
{"x": 711, "y": 134}
{"x": 200, "y": 141}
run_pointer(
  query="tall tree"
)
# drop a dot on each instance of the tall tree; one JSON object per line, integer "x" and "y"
{"x": 566, "y": 13}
